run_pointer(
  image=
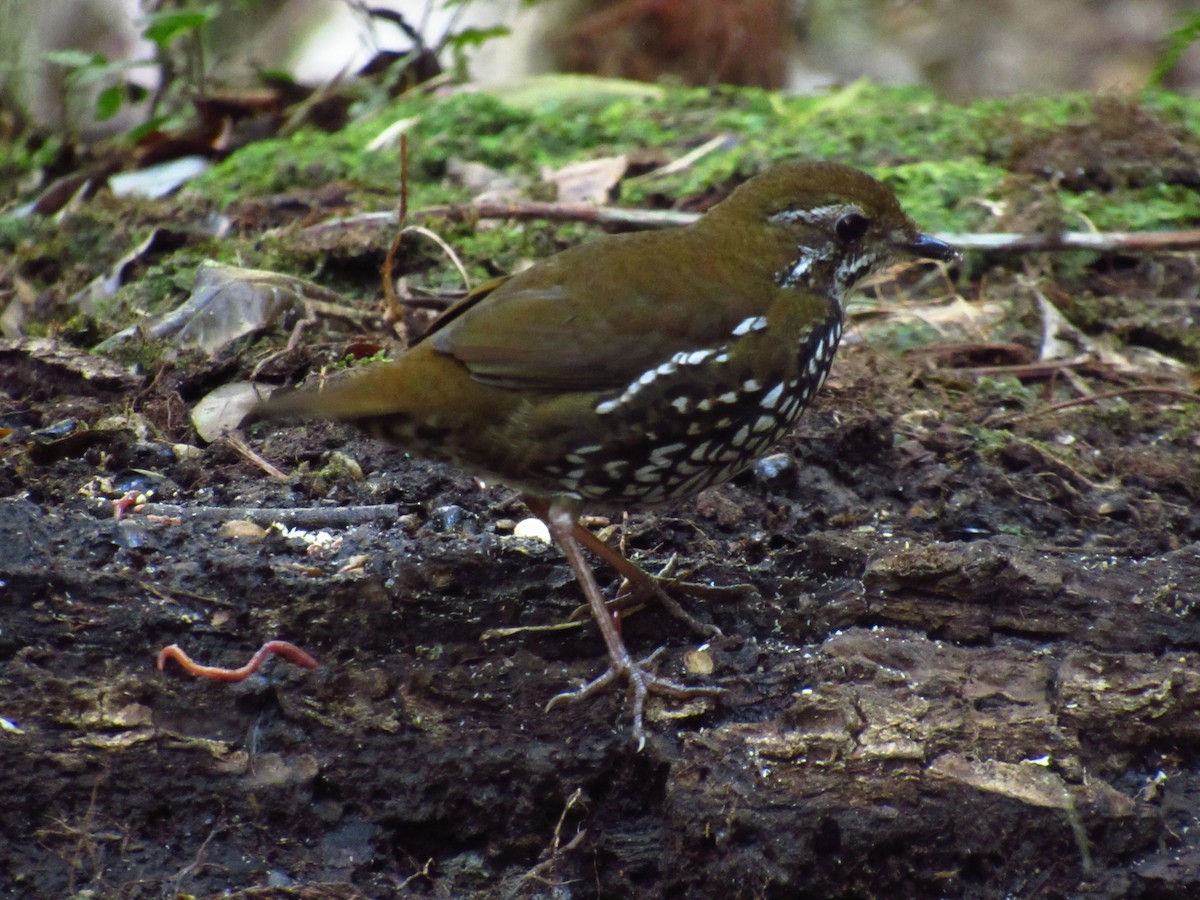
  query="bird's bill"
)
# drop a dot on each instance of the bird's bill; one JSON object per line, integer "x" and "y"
{"x": 927, "y": 246}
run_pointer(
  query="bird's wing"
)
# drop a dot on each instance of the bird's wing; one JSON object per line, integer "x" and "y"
{"x": 553, "y": 327}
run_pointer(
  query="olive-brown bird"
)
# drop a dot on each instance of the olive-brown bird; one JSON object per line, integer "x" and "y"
{"x": 638, "y": 368}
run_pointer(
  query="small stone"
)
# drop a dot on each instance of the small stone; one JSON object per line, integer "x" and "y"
{"x": 771, "y": 467}
{"x": 448, "y": 518}
{"x": 186, "y": 451}
{"x": 534, "y": 528}
{"x": 242, "y": 530}
{"x": 698, "y": 662}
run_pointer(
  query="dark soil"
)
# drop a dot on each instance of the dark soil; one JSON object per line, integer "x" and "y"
{"x": 963, "y": 661}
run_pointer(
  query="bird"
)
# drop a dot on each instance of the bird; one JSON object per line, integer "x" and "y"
{"x": 637, "y": 368}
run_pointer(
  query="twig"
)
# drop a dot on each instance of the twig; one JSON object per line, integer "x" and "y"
{"x": 187, "y": 870}
{"x": 1026, "y": 370}
{"x": 1107, "y": 241}
{"x": 554, "y": 212}
{"x": 1000, "y": 242}
{"x": 441, "y": 242}
{"x": 557, "y": 849}
{"x": 394, "y": 312}
{"x": 238, "y": 444}
{"x": 1108, "y": 395}
{"x": 298, "y": 516}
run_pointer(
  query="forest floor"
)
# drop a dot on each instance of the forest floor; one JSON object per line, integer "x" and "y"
{"x": 960, "y": 651}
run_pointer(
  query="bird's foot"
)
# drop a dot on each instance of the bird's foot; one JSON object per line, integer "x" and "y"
{"x": 663, "y": 589}
{"x": 642, "y": 683}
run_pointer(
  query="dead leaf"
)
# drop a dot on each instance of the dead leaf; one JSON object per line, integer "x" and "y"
{"x": 591, "y": 181}
{"x": 224, "y": 409}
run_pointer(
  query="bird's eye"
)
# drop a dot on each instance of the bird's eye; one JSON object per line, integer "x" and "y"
{"x": 851, "y": 227}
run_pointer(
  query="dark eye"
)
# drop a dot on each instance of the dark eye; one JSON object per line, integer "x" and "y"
{"x": 851, "y": 227}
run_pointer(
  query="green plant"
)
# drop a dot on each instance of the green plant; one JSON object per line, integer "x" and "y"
{"x": 1177, "y": 43}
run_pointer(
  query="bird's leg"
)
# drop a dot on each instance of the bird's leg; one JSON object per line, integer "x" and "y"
{"x": 640, "y": 585}
{"x": 563, "y": 519}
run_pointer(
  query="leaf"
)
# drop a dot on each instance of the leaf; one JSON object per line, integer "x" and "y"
{"x": 590, "y": 181}
{"x": 75, "y": 59}
{"x": 1177, "y": 43}
{"x": 109, "y": 101}
{"x": 162, "y": 28}
{"x": 473, "y": 37}
{"x": 228, "y": 302}
{"x": 223, "y": 409}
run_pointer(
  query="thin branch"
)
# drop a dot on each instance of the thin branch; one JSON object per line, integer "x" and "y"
{"x": 554, "y": 212}
{"x": 294, "y": 517}
{"x": 394, "y": 312}
{"x": 1109, "y": 395}
{"x": 1000, "y": 242}
{"x": 1106, "y": 241}
{"x": 237, "y": 443}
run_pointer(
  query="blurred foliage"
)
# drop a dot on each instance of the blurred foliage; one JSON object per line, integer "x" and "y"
{"x": 1176, "y": 44}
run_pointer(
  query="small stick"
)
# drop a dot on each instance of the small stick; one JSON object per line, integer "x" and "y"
{"x": 394, "y": 313}
{"x": 288, "y": 651}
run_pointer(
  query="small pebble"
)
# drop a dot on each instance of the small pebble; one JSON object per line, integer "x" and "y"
{"x": 698, "y": 662}
{"x": 241, "y": 529}
{"x": 448, "y": 518}
{"x": 532, "y": 527}
{"x": 771, "y": 467}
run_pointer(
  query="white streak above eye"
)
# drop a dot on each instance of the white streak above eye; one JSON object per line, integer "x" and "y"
{"x": 813, "y": 214}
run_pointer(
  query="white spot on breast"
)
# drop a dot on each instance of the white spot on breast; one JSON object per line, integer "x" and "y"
{"x": 754, "y": 323}
{"x": 772, "y": 397}
{"x": 743, "y": 434}
{"x": 694, "y": 358}
{"x": 681, "y": 404}
{"x": 607, "y": 406}
{"x": 764, "y": 424}
{"x": 728, "y": 397}
{"x": 660, "y": 456}
{"x": 750, "y": 384}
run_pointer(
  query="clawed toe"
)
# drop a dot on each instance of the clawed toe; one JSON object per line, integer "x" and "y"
{"x": 642, "y": 682}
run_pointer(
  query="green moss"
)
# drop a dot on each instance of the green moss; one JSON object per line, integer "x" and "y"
{"x": 942, "y": 157}
{"x": 956, "y": 167}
